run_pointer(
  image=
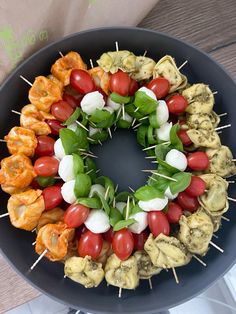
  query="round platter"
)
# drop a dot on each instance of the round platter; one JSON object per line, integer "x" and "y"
{"x": 47, "y": 276}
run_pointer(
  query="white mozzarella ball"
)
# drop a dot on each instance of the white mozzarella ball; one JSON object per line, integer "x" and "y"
{"x": 97, "y": 221}
{"x": 127, "y": 117}
{"x": 154, "y": 204}
{"x": 92, "y": 101}
{"x": 169, "y": 194}
{"x": 120, "y": 206}
{"x": 59, "y": 149}
{"x": 140, "y": 224}
{"x": 148, "y": 92}
{"x": 73, "y": 126}
{"x": 176, "y": 159}
{"x": 109, "y": 109}
{"x": 162, "y": 112}
{"x": 67, "y": 191}
{"x": 97, "y": 188}
{"x": 93, "y": 131}
{"x": 66, "y": 168}
{"x": 163, "y": 133}
{"x": 114, "y": 105}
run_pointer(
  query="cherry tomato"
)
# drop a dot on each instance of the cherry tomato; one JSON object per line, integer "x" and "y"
{"x": 174, "y": 213}
{"x": 158, "y": 223}
{"x": 197, "y": 186}
{"x": 46, "y": 166}
{"x": 133, "y": 87}
{"x": 160, "y": 87}
{"x": 79, "y": 231}
{"x": 61, "y": 110}
{"x": 71, "y": 100}
{"x": 108, "y": 236}
{"x": 55, "y": 126}
{"x": 120, "y": 83}
{"x": 139, "y": 240}
{"x": 52, "y": 197}
{"x": 177, "y": 104}
{"x": 45, "y": 146}
{"x": 90, "y": 244}
{"x": 198, "y": 161}
{"x": 123, "y": 243}
{"x": 187, "y": 202}
{"x": 185, "y": 139}
{"x": 75, "y": 215}
{"x": 82, "y": 81}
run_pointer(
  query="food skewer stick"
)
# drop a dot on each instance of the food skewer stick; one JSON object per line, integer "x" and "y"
{"x": 39, "y": 259}
{"x": 145, "y": 52}
{"x": 143, "y": 118}
{"x": 90, "y": 139}
{"x": 120, "y": 292}
{"x": 33, "y": 243}
{"x": 88, "y": 155}
{"x": 150, "y": 283}
{"x": 150, "y": 147}
{"x": 214, "y": 93}
{"x": 222, "y": 114}
{"x": 159, "y": 174}
{"x": 231, "y": 199}
{"x": 225, "y": 218}
{"x": 223, "y": 127}
{"x": 133, "y": 122}
{"x": 136, "y": 126}
{"x": 33, "y": 230}
{"x": 150, "y": 157}
{"x": 118, "y": 112}
{"x": 77, "y": 312}
{"x": 215, "y": 236}
{"x": 182, "y": 65}
{"x": 127, "y": 210}
{"x": 231, "y": 182}
{"x": 88, "y": 172}
{"x": 233, "y": 159}
{"x": 3, "y": 141}
{"x": 117, "y": 46}
{"x": 61, "y": 54}
{"x": 123, "y": 111}
{"x": 97, "y": 171}
{"x": 109, "y": 131}
{"x": 16, "y": 112}
{"x": 175, "y": 275}
{"x": 114, "y": 202}
{"x": 216, "y": 247}
{"x": 24, "y": 79}
{"x": 137, "y": 109}
{"x": 100, "y": 142}
{"x": 106, "y": 193}
{"x": 91, "y": 63}
{"x": 199, "y": 260}
{"x": 154, "y": 162}
{"x": 4, "y": 215}
{"x": 116, "y": 188}
{"x": 132, "y": 190}
{"x": 81, "y": 125}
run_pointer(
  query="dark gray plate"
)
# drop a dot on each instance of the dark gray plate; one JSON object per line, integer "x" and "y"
{"x": 47, "y": 276}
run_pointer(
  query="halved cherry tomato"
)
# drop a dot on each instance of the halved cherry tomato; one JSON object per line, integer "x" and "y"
{"x": 160, "y": 86}
{"x": 52, "y": 197}
{"x": 198, "y": 161}
{"x": 188, "y": 202}
{"x": 108, "y": 236}
{"x": 120, "y": 83}
{"x": 139, "y": 240}
{"x": 133, "y": 87}
{"x": 158, "y": 223}
{"x": 185, "y": 139}
{"x": 90, "y": 244}
{"x": 61, "y": 110}
{"x": 174, "y": 213}
{"x": 123, "y": 243}
{"x": 55, "y": 126}
{"x": 177, "y": 104}
{"x": 75, "y": 215}
{"x": 82, "y": 81}
{"x": 45, "y": 146}
{"x": 197, "y": 186}
{"x": 71, "y": 100}
{"x": 46, "y": 166}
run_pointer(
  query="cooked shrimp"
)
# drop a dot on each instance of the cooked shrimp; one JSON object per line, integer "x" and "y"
{"x": 50, "y": 216}
{"x": 21, "y": 140}
{"x": 16, "y": 171}
{"x": 25, "y": 209}
{"x": 55, "y": 238}
{"x": 101, "y": 78}
{"x": 44, "y": 93}
{"x": 62, "y": 68}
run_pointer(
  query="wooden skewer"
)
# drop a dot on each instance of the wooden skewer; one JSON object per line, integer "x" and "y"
{"x": 143, "y": 118}
{"x": 150, "y": 157}
{"x": 24, "y": 79}
{"x": 106, "y": 193}
{"x": 145, "y": 52}
{"x": 214, "y": 93}
{"x": 39, "y": 259}
{"x": 182, "y": 65}
{"x": 231, "y": 199}
{"x": 216, "y": 247}
{"x": 61, "y": 54}
{"x": 88, "y": 172}
{"x": 154, "y": 162}
{"x": 114, "y": 202}
{"x": 219, "y": 132}
{"x": 4, "y": 215}
{"x": 225, "y": 218}
{"x": 109, "y": 131}
{"x": 123, "y": 111}
{"x": 77, "y": 312}
{"x": 81, "y": 125}
{"x": 117, "y": 46}
{"x": 33, "y": 230}
{"x": 16, "y": 112}
{"x": 90, "y": 139}
{"x": 133, "y": 200}
{"x": 100, "y": 142}
{"x": 91, "y": 63}
{"x": 136, "y": 126}
{"x": 116, "y": 188}
{"x": 223, "y": 127}
{"x": 127, "y": 210}
{"x": 119, "y": 112}
{"x": 231, "y": 182}
{"x": 150, "y": 147}
{"x": 132, "y": 190}
{"x": 97, "y": 171}
{"x": 199, "y": 260}
{"x": 233, "y": 159}
{"x": 215, "y": 236}
{"x": 150, "y": 283}
{"x": 222, "y": 114}
{"x": 33, "y": 243}
{"x": 3, "y": 141}
{"x": 64, "y": 276}
{"x": 89, "y": 155}
{"x": 175, "y": 275}
{"x": 152, "y": 178}
{"x": 133, "y": 122}
{"x": 137, "y": 109}
{"x": 160, "y": 175}
{"x": 120, "y": 292}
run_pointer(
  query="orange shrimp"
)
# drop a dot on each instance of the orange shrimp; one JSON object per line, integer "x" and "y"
{"x": 25, "y": 209}
{"x": 50, "y": 216}
{"x": 62, "y": 68}
{"x": 55, "y": 238}
{"x": 21, "y": 140}
{"x": 44, "y": 93}
{"x": 101, "y": 78}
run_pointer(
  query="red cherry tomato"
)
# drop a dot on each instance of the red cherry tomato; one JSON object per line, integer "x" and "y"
{"x": 160, "y": 86}
{"x": 133, "y": 87}
{"x": 177, "y": 104}
{"x": 82, "y": 81}
{"x": 120, "y": 83}
{"x": 185, "y": 139}
{"x": 108, "y": 236}
{"x": 46, "y": 166}
{"x": 139, "y": 240}
{"x": 55, "y": 126}
{"x": 188, "y": 202}
{"x": 61, "y": 110}
{"x": 52, "y": 197}
{"x": 71, "y": 100}
{"x": 198, "y": 161}
{"x": 75, "y": 215}
{"x": 158, "y": 223}
{"x": 174, "y": 213}
{"x": 90, "y": 244}
{"x": 45, "y": 146}
{"x": 79, "y": 231}
{"x": 123, "y": 243}
{"x": 197, "y": 186}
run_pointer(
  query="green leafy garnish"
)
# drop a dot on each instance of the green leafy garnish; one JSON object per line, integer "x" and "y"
{"x": 174, "y": 139}
{"x": 119, "y": 99}
{"x": 82, "y": 185}
{"x": 142, "y": 135}
{"x": 45, "y": 181}
{"x": 131, "y": 110}
{"x": 115, "y": 216}
{"x": 183, "y": 181}
{"x": 82, "y": 138}
{"x": 78, "y": 164}
{"x": 75, "y": 115}
{"x": 161, "y": 150}
{"x": 145, "y": 103}
{"x": 123, "y": 124}
{"x": 123, "y": 224}
{"x": 91, "y": 202}
{"x": 108, "y": 185}
{"x": 135, "y": 209}
{"x": 123, "y": 196}
{"x": 105, "y": 205}
{"x": 91, "y": 168}
{"x": 167, "y": 166}
{"x": 102, "y": 118}
{"x": 151, "y": 136}
{"x": 70, "y": 141}
{"x": 153, "y": 120}
{"x": 147, "y": 192}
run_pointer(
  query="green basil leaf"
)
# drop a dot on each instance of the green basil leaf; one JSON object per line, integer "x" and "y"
{"x": 161, "y": 151}
{"x": 78, "y": 164}
{"x": 158, "y": 182}
{"x": 130, "y": 109}
{"x": 115, "y": 216}
{"x": 100, "y": 136}
{"x": 147, "y": 192}
{"x": 91, "y": 202}
{"x": 108, "y": 184}
{"x": 102, "y": 118}
{"x": 45, "y": 181}
{"x": 82, "y": 185}
{"x": 135, "y": 209}
{"x": 123, "y": 196}
{"x": 119, "y": 99}
{"x": 82, "y": 135}
{"x": 150, "y": 135}
{"x": 167, "y": 166}
{"x": 145, "y": 103}
{"x": 142, "y": 135}
{"x": 89, "y": 166}
{"x": 153, "y": 120}
{"x": 75, "y": 115}
{"x": 105, "y": 205}
{"x": 70, "y": 141}
{"x": 174, "y": 139}
{"x": 183, "y": 181}
{"x": 123, "y": 124}
{"x": 123, "y": 224}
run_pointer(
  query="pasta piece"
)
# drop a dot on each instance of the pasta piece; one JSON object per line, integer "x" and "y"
{"x": 204, "y": 138}
{"x": 146, "y": 269}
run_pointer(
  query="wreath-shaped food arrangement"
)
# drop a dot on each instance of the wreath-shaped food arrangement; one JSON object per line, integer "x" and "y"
{"x": 79, "y": 217}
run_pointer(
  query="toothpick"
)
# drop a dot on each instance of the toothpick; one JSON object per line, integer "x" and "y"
{"x": 223, "y": 127}
{"x": 97, "y": 171}
{"x": 116, "y": 188}
{"x": 123, "y": 111}
{"x": 150, "y": 283}
{"x": 231, "y": 182}
{"x": 222, "y": 114}
{"x": 3, "y": 141}
{"x": 118, "y": 112}
{"x": 109, "y": 131}
{"x": 90, "y": 139}
{"x": 33, "y": 243}
{"x": 120, "y": 292}
{"x": 152, "y": 178}
{"x": 136, "y": 126}
{"x": 81, "y": 125}
{"x": 115, "y": 128}
{"x": 182, "y": 65}
{"x": 214, "y": 93}
{"x": 225, "y": 218}
{"x": 91, "y": 63}
{"x": 233, "y": 159}
{"x": 199, "y": 260}
{"x": 4, "y": 215}
{"x": 24, "y": 79}
{"x": 175, "y": 275}
{"x": 16, "y": 112}
{"x": 117, "y": 46}
{"x": 100, "y": 142}
{"x": 216, "y": 247}
{"x": 106, "y": 193}
{"x": 64, "y": 276}
{"x": 215, "y": 236}
{"x": 132, "y": 190}
{"x": 231, "y": 199}
{"x": 89, "y": 155}
{"x": 39, "y": 259}
{"x": 57, "y": 178}
{"x": 154, "y": 162}
{"x": 150, "y": 157}
{"x": 127, "y": 210}
{"x": 33, "y": 230}
{"x": 144, "y": 118}
{"x": 133, "y": 122}
{"x": 61, "y": 54}
{"x": 114, "y": 202}
{"x": 88, "y": 172}
{"x": 160, "y": 175}
{"x": 77, "y": 312}
{"x": 137, "y": 109}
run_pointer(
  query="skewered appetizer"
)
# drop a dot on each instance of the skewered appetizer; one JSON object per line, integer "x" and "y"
{"x": 79, "y": 217}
